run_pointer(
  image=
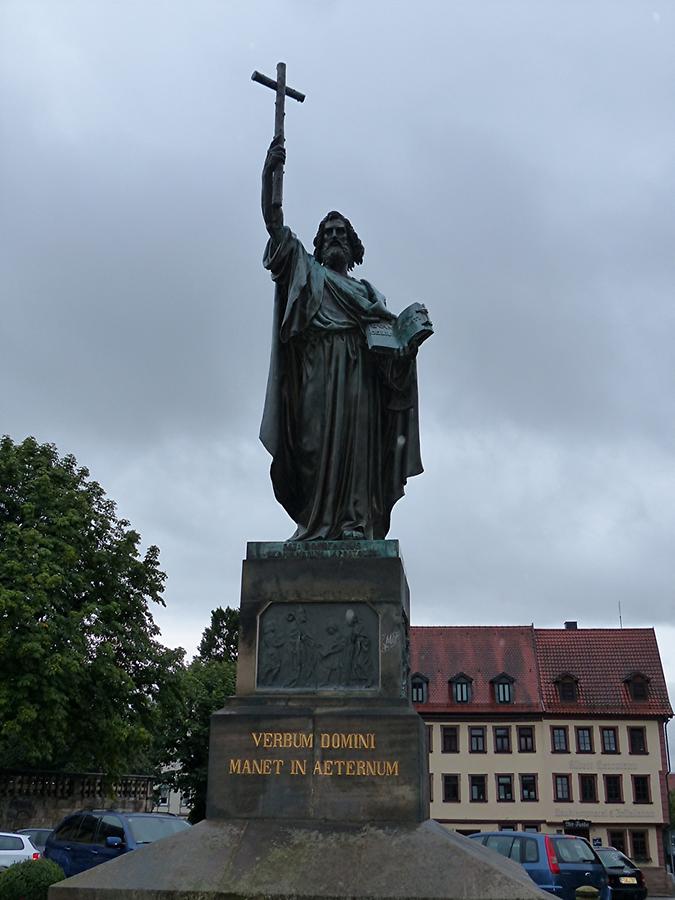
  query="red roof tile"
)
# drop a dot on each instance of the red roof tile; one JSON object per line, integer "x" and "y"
{"x": 601, "y": 658}
{"x": 482, "y": 652}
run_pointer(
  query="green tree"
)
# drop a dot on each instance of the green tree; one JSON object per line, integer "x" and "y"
{"x": 208, "y": 681}
{"x": 85, "y": 679}
{"x": 221, "y": 638}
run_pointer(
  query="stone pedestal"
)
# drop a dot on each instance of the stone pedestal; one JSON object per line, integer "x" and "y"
{"x": 321, "y": 728}
{"x": 318, "y": 768}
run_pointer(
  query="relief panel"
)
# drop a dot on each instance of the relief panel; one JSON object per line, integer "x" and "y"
{"x": 318, "y": 646}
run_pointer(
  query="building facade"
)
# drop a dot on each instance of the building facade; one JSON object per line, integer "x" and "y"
{"x": 168, "y": 799}
{"x": 554, "y": 730}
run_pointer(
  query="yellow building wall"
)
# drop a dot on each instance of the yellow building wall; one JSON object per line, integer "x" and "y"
{"x": 548, "y": 813}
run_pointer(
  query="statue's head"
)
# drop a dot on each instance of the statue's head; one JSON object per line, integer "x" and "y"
{"x": 335, "y": 241}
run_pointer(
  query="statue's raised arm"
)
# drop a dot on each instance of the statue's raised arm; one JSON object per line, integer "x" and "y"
{"x": 272, "y": 213}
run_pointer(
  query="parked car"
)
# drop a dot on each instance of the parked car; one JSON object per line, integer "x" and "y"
{"x": 93, "y": 836}
{"x": 625, "y": 880}
{"x": 15, "y": 848}
{"x": 557, "y": 863}
{"x": 38, "y": 836}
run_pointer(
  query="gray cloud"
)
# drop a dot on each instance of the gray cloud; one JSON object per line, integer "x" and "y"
{"x": 508, "y": 163}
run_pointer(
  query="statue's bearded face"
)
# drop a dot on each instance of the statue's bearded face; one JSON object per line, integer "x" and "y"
{"x": 335, "y": 249}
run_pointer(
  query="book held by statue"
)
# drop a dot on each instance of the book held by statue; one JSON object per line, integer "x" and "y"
{"x": 402, "y": 334}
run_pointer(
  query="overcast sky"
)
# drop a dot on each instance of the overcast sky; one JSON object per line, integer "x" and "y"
{"x": 510, "y": 164}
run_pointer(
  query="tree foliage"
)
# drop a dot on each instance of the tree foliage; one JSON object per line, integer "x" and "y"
{"x": 220, "y": 639}
{"x": 84, "y": 676}
{"x": 208, "y": 681}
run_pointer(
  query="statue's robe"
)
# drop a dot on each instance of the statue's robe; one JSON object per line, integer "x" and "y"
{"x": 340, "y": 421}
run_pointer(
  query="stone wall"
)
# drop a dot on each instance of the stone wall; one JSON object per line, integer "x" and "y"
{"x": 658, "y": 881}
{"x": 42, "y": 799}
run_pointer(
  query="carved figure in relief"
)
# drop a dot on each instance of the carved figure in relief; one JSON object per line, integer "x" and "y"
{"x": 331, "y": 661}
{"x": 360, "y": 657}
{"x": 300, "y": 654}
{"x": 271, "y": 656}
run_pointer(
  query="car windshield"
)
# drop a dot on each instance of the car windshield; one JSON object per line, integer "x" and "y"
{"x": 611, "y": 857}
{"x": 146, "y": 829}
{"x": 38, "y": 836}
{"x": 573, "y": 850}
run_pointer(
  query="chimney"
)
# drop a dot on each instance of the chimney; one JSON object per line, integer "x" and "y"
{"x": 570, "y": 626}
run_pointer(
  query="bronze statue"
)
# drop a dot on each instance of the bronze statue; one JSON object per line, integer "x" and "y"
{"x": 341, "y": 412}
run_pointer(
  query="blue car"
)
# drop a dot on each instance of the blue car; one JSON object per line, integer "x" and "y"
{"x": 557, "y": 863}
{"x": 93, "y": 836}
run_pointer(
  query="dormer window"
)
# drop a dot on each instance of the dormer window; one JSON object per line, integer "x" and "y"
{"x": 638, "y": 686}
{"x": 460, "y": 688}
{"x": 461, "y": 691}
{"x": 503, "y": 692}
{"x": 567, "y": 687}
{"x": 419, "y": 688}
{"x": 503, "y": 688}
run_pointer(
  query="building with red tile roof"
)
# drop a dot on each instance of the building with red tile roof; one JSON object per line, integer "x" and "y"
{"x": 551, "y": 729}
{"x": 483, "y": 652}
{"x": 604, "y": 661}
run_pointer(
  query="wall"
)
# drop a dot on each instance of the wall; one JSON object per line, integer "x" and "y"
{"x": 42, "y": 799}
{"x": 544, "y": 764}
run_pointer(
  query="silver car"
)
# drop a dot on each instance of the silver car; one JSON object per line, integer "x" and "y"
{"x": 15, "y": 848}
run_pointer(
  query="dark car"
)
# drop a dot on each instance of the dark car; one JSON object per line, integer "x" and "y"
{"x": 93, "y": 836}
{"x": 38, "y": 836}
{"x": 557, "y": 863}
{"x": 625, "y": 880}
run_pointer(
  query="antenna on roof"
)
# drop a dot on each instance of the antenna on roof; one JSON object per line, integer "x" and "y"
{"x": 620, "y": 619}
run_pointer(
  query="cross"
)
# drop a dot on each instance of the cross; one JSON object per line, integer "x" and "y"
{"x": 279, "y": 111}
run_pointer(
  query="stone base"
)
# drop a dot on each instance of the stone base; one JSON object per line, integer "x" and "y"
{"x": 237, "y": 859}
{"x": 377, "y": 773}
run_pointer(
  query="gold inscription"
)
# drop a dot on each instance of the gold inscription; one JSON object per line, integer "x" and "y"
{"x": 298, "y": 740}
{"x": 256, "y": 766}
{"x": 286, "y": 740}
{"x": 361, "y": 768}
{"x": 349, "y": 741}
{"x": 327, "y": 740}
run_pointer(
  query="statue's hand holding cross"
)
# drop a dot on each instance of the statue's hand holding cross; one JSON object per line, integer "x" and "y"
{"x": 274, "y": 164}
